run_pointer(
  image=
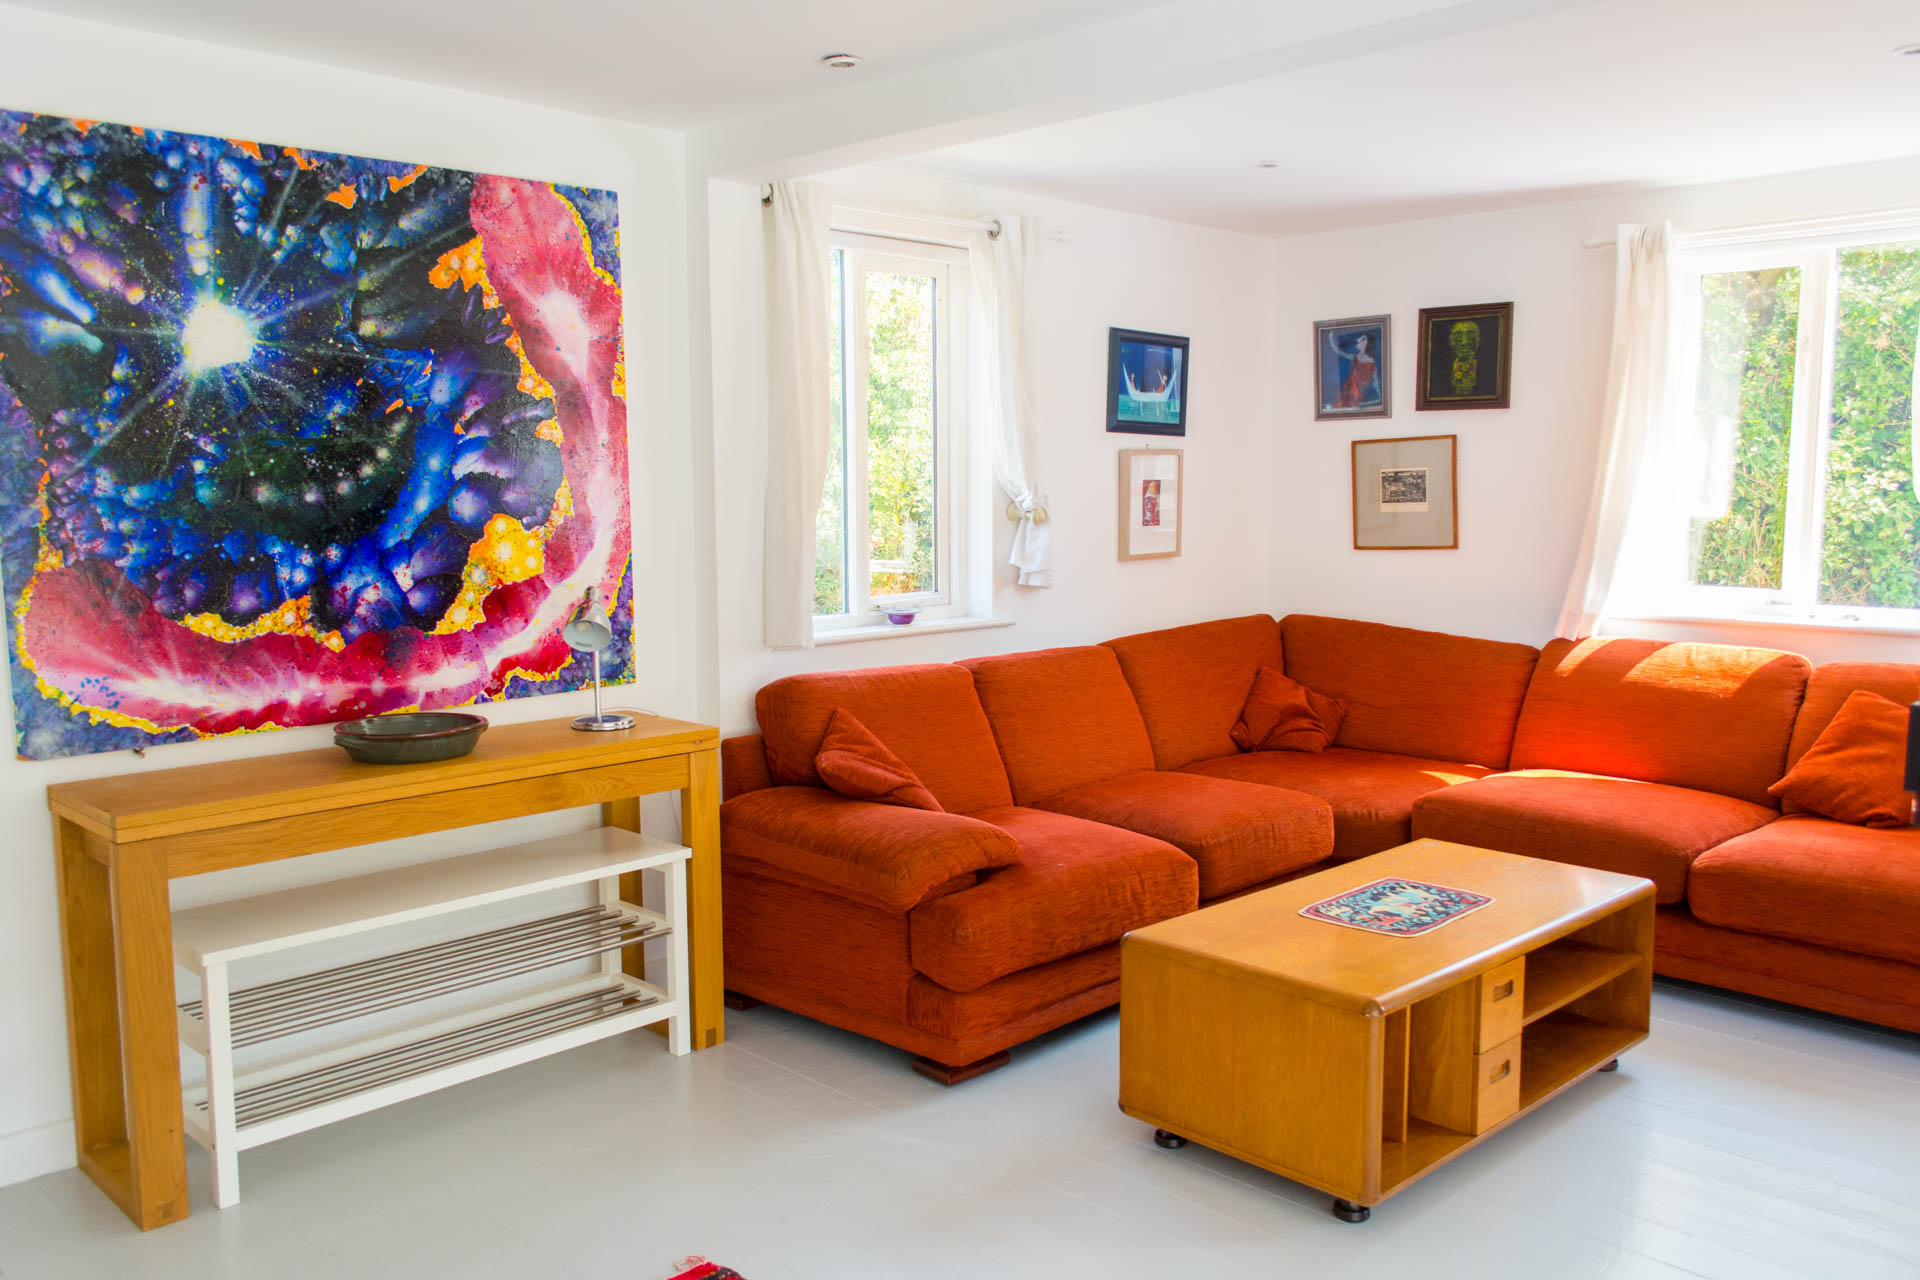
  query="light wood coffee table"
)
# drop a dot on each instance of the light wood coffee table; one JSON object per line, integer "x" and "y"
{"x": 1358, "y": 1062}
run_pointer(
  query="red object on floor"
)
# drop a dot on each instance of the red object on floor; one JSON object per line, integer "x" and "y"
{"x": 701, "y": 1269}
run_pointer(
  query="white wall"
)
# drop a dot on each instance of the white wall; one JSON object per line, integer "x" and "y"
{"x": 1525, "y": 473}
{"x": 1118, "y": 270}
{"x": 61, "y": 66}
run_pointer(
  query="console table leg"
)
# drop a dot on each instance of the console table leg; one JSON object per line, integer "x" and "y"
{"x": 156, "y": 1158}
{"x": 700, "y": 832}
{"x": 93, "y": 1011}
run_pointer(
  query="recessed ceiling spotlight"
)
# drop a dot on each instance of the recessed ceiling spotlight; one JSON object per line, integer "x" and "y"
{"x": 840, "y": 61}
{"x": 1266, "y": 164}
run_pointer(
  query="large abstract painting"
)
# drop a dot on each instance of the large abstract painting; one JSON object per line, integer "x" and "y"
{"x": 288, "y": 437}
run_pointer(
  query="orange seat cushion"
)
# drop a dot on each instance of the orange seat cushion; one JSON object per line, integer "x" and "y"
{"x": 1284, "y": 715}
{"x": 1856, "y": 769}
{"x": 1416, "y": 693}
{"x": 1371, "y": 793}
{"x": 1712, "y": 717}
{"x": 1238, "y": 832}
{"x": 1614, "y": 824}
{"x": 1062, "y": 717}
{"x": 1077, "y": 885}
{"x": 1815, "y": 880}
{"x": 855, "y": 763}
{"x": 1191, "y": 682}
{"x": 927, "y": 715}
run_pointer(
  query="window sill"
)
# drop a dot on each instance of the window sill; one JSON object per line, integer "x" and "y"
{"x": 1704, "y": 619}
{"x": 920, "y": 627}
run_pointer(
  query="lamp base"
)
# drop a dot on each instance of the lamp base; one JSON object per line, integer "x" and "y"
{"x": 603, "y": 723}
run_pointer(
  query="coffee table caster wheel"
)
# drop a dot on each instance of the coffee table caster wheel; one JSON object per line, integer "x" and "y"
{"x": 1171, "y": 1141}
{"x": 1612, "y": 1065}
{"x": 1348, "y": 1211}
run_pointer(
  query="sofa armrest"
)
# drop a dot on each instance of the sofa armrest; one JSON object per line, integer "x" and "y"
{"x": 880, "y": 854}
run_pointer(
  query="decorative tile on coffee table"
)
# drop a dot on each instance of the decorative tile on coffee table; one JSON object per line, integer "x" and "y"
{"x": 1395, "y": 906}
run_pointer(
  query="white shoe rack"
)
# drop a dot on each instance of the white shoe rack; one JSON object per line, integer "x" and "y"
{"x": 237, "y": 1109}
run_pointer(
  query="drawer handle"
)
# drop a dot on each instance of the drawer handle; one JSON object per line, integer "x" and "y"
{"x": 1502, "y": 991}
{"x": 1506, "y": 1069}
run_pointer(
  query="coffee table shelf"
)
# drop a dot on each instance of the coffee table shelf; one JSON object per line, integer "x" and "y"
{"x": 1359, "y": 1062}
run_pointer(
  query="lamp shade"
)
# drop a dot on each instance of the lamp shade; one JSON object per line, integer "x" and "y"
{"x": 589, "y": 630}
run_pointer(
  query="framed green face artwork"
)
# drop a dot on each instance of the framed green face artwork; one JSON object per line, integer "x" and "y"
{"x": 1466, "y": 357}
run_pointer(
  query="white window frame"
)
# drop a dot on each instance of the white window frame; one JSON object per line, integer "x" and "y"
{"x": 1657, "y": 586}
{"x": 865, "y": 252}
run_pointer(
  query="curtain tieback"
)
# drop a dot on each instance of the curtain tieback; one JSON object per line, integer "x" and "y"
{"x": 1018, "y": 511}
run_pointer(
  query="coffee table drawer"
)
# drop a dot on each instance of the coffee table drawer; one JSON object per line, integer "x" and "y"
{"x": 1496, "y": 1085}
{"x": 1501, "y": 996}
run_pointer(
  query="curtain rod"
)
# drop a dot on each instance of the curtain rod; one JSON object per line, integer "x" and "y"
{"x": 989, "y": 225}
{"x": 1877, "y": 220}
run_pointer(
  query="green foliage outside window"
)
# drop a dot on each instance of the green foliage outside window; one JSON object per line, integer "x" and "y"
{"x": 900, "y": 510}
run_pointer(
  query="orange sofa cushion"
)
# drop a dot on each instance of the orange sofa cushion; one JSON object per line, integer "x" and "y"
{"x": 927, "y": 715}
{"x": 1855, "y": 771}
{"x": 1708, "y": 716}
{"x": 1191, "y": 682}
{"x": 855, "y": 763}
{"x": 1416, "y": 693}
{"x": 879, "y": 854}
{"x": 1062, "y": 717}
{"x": 1284, "y": 715}
{"x": 1833, "y": 683}
{"x": 743, "y": 765}
{"x": 1815, "y": 880}
{"x": 1371, "y": 793}
{"x": 1614, "y": 824}
{"x": 1239, "y": 833}
{"x": 1077, "y": 885}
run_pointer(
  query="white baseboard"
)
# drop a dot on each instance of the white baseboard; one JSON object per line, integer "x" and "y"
{"x": 29, "y": 1153}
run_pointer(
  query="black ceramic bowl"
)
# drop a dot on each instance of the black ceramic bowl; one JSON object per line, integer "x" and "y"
{"x": 409, "y": 737}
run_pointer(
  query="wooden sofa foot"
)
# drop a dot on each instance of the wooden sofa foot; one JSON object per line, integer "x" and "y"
{"x": 941, "y": 1073}
{"x": 739, "y": 1003}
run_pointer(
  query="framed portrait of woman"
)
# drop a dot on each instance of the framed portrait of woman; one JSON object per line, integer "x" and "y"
{"x": 1352, "y": 374}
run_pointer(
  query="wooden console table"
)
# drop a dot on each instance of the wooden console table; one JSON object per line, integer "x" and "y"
{"x": 119, "y": 840}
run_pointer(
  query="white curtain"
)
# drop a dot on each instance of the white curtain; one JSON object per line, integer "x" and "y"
{"x": 1000, "y": 268}
{"x": 1630, "y": 423}
{"x": 799, "y": 425}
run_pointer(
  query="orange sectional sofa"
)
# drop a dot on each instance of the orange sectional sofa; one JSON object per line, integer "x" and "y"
{"x": 1087, "y": 791}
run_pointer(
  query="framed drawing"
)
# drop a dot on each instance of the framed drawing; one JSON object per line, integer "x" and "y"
{"x": 1150, "y": 496}
{"x": 1405, "y": 495}
{"x": 1466, "y": 357}
{"x": 1353, "y": 373}
{"x": 289, "y": 436}
{"x": 1146, "y": 383}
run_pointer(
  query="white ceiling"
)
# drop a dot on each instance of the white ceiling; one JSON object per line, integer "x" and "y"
{"x": 1612, "y": 95}
{"x": 677, "y": 63}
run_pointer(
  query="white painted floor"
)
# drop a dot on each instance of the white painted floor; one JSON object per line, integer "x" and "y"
{"x": 1743, "y": 1142}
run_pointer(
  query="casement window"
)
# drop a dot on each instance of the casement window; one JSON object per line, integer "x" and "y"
{"x": 1785, "y": 485}
{"x": 891, "y": 533}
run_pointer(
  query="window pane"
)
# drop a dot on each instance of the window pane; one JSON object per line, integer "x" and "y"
{"x": 900, "y": 446}
{"x": 1743, "y": 419}
{"x": 830, "y": 527}
{"x": 1869, "y": 555}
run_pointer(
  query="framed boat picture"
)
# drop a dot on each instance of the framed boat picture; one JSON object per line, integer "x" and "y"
{"x": 1353, "y": 373}
{"x": 1405, "y": 494}
{"x": 1146, "y": 383}
{"x": 1466, "y": 357}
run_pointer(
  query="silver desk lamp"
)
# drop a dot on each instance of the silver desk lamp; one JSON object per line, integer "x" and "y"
{"x": 589, "y": 631}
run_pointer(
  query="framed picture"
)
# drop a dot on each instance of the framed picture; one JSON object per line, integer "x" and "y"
{"x": 1150, "y": 514}
{"x": 1146, "y": 383}
{"x": 1353, "y": 375}
{"x": 1466, "y": 357}
{"x": 1405, "y": 496}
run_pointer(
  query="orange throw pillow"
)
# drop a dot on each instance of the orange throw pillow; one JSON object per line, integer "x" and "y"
{"x": 855, "y": 763}
{"x": 1284, "y": 715}
{"x": 1855, "y": 770}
